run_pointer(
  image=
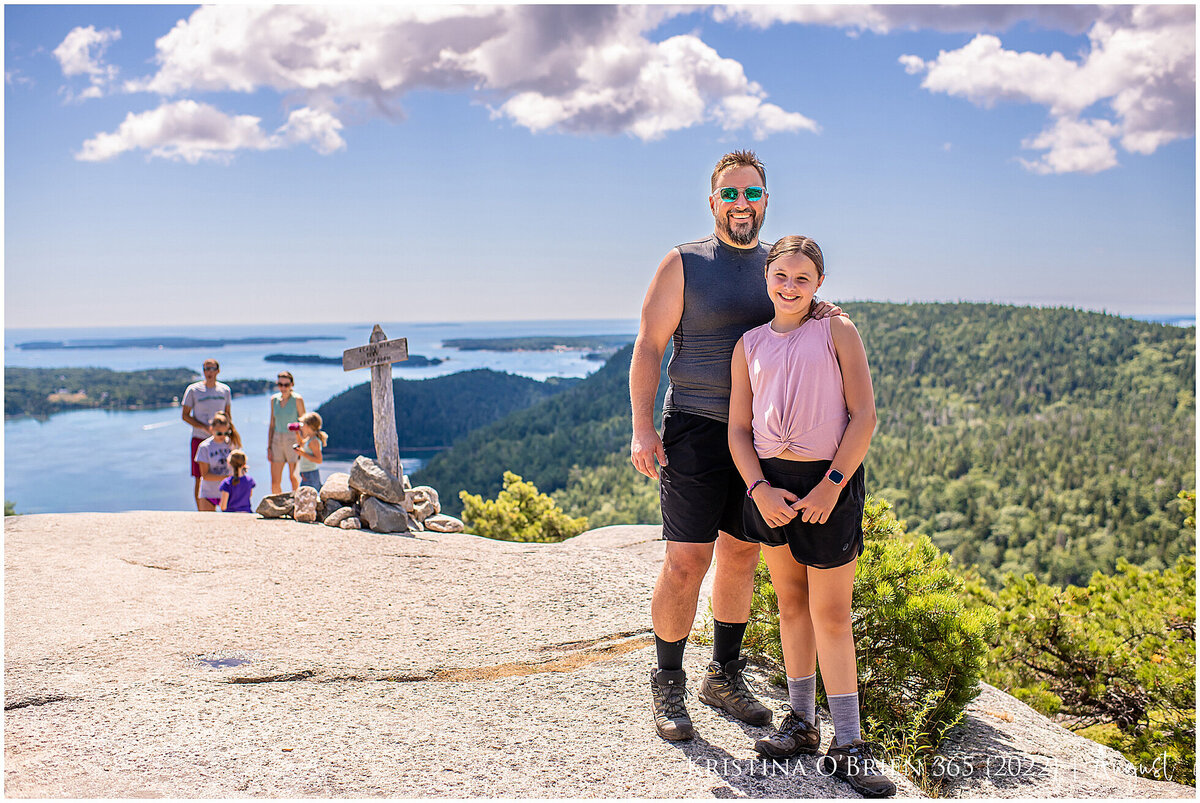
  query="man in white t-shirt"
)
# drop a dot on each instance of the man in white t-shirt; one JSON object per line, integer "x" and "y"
{"x": 201, "y": 401}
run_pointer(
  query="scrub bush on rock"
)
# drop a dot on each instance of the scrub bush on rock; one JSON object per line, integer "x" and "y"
{"x": 518, "y": 513}
{"x": 1116, "y": 661}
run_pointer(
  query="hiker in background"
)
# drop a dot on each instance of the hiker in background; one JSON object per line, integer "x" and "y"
{"x": 201, "y": 401}
{"x": 286, "y": 408}
{"x": 310, "y": 438}
{"x": 235, "y": 489}
{"x": 212, "y": 458}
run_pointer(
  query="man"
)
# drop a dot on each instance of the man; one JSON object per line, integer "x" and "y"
{"x": 704, "y": 295}
{"x": 201, "y": 401}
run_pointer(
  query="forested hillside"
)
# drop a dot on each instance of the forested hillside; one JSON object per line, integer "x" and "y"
{"x": 1053, "y": 441}
{"x": 434, "y": 412}
{"x": 1043, "y": 440}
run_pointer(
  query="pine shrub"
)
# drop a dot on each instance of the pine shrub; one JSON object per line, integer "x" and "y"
{"x": 922, "y": 644}
{"x": 1115, "y": 661}
{"x": 519, "y": 513}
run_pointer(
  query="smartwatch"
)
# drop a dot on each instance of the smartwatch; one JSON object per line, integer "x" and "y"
{"x": 835, "y": 476}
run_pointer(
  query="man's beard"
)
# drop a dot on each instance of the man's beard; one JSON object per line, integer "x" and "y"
{"x": 748, "y": 235}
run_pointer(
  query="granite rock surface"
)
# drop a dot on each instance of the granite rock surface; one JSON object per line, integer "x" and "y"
{"x": 221, "y": 655}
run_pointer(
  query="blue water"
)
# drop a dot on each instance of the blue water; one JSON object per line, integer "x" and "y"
{"x": 106, "y": 461}
{"x": 95, "y": 460}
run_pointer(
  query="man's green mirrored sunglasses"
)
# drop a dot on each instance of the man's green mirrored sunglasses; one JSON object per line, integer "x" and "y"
{"x": 730, "y": 194}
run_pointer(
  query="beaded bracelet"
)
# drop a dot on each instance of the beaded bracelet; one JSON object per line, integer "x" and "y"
{"x": 755, "y": 484}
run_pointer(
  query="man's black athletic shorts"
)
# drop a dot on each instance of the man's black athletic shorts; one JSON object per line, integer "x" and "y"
{"x": 700, "y": 490}
{"x": 821, "y": 546}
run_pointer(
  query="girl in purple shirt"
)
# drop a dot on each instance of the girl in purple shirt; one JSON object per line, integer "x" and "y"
{"x": 235, "y": 489}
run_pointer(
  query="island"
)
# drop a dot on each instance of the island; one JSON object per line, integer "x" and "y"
{"x": 163, "y": 342}
{"x": 541, "y": 343}
{"x": 45, "y": 391}
{"x": 413, "y": 361}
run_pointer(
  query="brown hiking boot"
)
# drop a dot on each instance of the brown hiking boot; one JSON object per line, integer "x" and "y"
{"x": 855, "y": 764}
{"x": 668, "y": 690}
{"x": 725, "y": 687}
{"x": 794, "y": 736}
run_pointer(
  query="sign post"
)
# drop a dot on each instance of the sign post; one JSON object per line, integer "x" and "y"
{"x": 379, "y": 354}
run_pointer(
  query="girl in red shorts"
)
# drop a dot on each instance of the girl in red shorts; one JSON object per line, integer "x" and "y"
{"x": 801, "y": 415}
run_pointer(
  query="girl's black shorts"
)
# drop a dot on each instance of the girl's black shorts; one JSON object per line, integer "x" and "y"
{"x": 822, "y": 546}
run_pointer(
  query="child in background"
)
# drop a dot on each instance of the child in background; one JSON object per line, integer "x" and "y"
{"x": 212, "y": 456}
{"x": 309, "y": 440}
{"x": 801, "y": 416}
{"x": 235, "y": 489}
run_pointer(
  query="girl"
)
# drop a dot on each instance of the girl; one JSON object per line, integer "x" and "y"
{"x": 286, "y": 408}
{"x": 235, "y": 489}
{"x": 801, "y": 415}
{"x": 309, "y": 440}
{"x": 212, "y": 457}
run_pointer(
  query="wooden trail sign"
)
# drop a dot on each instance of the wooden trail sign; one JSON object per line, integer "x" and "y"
{"x": 385, "y": 352}
{"x": 379, "y": 354}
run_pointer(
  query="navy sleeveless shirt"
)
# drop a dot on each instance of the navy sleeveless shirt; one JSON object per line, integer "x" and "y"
{"x": 724, "y": 296}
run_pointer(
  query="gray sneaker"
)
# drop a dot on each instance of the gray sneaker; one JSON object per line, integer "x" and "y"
{"x": 725, "y": 687}
{"x": 855, "y": 764}
{"x": 668, "y": 690}
{"x": 794, "y": 736}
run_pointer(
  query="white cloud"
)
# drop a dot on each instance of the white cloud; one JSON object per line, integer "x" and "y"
{"x": 649, "y": 90}
{"x": 15, "y": 77}
{"x": 194, "y": 132}
{"x": 581, "y": 68}
{"x": 1142, "y": 61}
{"x": 1073, "y": 146}
{"x": 313, "y": 126}
{"x": 882, "y": 19}
{"x": 82, "y": 53}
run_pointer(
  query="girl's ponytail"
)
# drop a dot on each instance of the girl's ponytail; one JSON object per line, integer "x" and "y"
{"x": 237, "y": 462}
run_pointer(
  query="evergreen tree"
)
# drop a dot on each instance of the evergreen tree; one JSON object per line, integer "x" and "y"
{"x": 519, "y": 513}
{"x": 1115, "y": 660}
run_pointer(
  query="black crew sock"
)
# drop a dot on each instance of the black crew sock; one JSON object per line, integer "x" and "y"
{"x": 727, "y": 641}
{"x": 670, "y": 653}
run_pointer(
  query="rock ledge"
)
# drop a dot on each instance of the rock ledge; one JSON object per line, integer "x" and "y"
{"x": 200, "y": 655}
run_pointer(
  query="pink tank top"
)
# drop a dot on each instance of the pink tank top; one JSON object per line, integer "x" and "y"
{"x": 799, "y": 402}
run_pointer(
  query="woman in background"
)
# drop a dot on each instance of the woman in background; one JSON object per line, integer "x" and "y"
{"x": 286, "y": 408}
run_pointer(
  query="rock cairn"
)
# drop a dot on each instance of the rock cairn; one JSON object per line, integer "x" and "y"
{"x": 368, "y": 498}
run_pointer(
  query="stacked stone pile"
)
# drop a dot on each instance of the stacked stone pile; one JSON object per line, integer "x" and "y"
{"x": 368, "y": 498}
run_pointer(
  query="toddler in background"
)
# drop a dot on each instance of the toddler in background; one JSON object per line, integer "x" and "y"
{"x": 235, "y": 489}
{"x": 309, "y": 440}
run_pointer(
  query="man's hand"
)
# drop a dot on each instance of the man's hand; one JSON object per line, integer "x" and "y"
{"x": 775, "y": 504}
{"x": 824, "y": 309}
{"x": 644, "y": 448}
{"x": 819, "y": 503}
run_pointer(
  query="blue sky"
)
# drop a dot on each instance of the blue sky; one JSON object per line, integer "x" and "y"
{"x": 205, "y": 165}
